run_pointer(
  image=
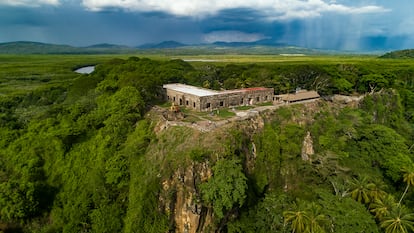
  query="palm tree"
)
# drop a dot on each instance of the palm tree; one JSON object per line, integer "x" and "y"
{"x": 309, "y": 220}
{"x": 398, "y": 221}
{"x": 360, "y": 189}
{"x": 316, "y": 218}
{"x": 383, "y": 207}
{"x": 299, "y": 220}
{"x": 376, "y": 191}
{"x": 408, "y": 178}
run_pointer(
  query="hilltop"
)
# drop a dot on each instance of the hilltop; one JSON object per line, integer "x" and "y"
{"x": 28, "y": 47}
{"x": 407, "y": 53}
{"x": 163, "y": 45}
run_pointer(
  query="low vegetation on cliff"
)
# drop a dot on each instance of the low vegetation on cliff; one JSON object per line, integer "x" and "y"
{"x": 84, "y": 153}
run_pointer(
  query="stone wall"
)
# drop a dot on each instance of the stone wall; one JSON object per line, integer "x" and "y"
{"x": 221, "y": 100}
{"x": 233, "y": 99}
{"x": 183, "y": 99}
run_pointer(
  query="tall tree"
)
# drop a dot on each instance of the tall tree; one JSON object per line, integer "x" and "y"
{"x": 399, "y": 221}
{"x": 316, "y": 218}
{"x": 307, "y": 217}
{"x": 227, "y": 188}
{"x": 376, "y": 190}
{"x": 408, "y": 178}
{"x": 383, "y": 207}
{"x": 360, "y": 189}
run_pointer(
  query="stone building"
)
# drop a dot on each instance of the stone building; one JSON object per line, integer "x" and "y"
{"x": 201, "y": 99}
{"x": 298, "y": 96}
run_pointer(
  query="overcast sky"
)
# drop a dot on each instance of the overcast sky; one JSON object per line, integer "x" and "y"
{"x": 328, "y": 24}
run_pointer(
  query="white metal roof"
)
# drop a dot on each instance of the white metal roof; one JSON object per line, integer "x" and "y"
{"x": 190, "y": 89}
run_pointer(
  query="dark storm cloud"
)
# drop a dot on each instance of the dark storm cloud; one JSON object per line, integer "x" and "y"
{"x": 78, "y": 27}
{"x": 331, "y": 26}
{"x": 247, "y": 20}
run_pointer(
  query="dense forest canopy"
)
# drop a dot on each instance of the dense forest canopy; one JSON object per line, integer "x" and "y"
{"x": 79, "y": 153}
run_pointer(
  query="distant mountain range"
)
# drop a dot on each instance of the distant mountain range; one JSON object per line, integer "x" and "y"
{"x": 107, "y": 46}
{"x": 259, "y": 47}
{"x": 163, "y": 45}
{"x": 175, "y": 44}
{"x": 262, "y": 47}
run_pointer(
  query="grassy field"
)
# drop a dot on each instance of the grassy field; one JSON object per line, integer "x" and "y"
{"x": 20, "y": 73}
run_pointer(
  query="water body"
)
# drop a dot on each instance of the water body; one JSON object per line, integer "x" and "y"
{"x": 85, "y": 70}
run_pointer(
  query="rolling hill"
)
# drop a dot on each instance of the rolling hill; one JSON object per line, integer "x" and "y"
{"x": 407, "y": 53}
{"x": 163, "y": 45}
{"x": 264, "y": 47}
{"x": 28, "y": 47}
{"x": 167, "y": 47}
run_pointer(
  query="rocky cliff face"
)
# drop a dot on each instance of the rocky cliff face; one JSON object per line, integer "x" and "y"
{"x": 181, "y": 199}
{"x": 307, "y": 147}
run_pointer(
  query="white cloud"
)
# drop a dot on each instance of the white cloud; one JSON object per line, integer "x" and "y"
{"x": 29, "y": 3}
{"x": 232, "y": 36}
{"x": 366, "y": 10}
{"x": 273, "y": 9}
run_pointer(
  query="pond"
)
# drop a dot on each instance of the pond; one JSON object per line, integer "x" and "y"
{"x": 85, "y": 70}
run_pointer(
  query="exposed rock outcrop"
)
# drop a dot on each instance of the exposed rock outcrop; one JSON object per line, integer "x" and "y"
{"x": 181, "y": 199}
{"x": 352, "y": 101}
{"x": 307, "y": 148}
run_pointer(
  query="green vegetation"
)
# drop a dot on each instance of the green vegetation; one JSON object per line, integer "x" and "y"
{"x": 227, "y": 188}
{"x": 407, "y": 53}
{"x": 81, "y": 153}
{"x": 224, "y": 113}
{"x": 26, "y": 47}
{"x": 243, "y": 108}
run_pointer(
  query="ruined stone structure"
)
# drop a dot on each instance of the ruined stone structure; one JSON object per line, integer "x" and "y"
{"x": 201, "y": 99}
{"x": 298, "y": 96}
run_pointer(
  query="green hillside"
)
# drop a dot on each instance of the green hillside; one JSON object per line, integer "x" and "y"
{"x": 407, "y": 53}
{"x": 167, "y": 47}
{"x": 35, "y": 48}
{"x": 94, "y": 153}
{"x": 23, "y": 47}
